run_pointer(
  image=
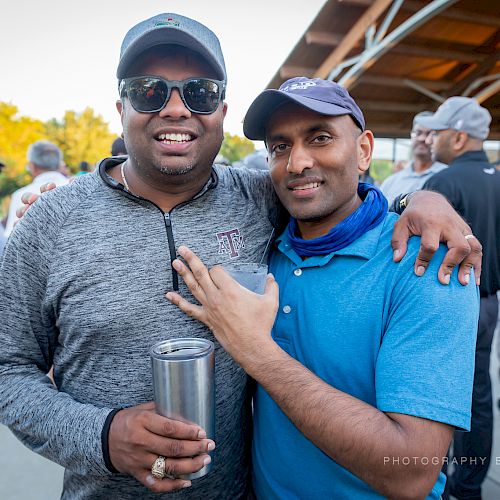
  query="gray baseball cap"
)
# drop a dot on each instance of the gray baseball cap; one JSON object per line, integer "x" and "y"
{"x": 171, "y": 29}
{"x": 460, "y": 113}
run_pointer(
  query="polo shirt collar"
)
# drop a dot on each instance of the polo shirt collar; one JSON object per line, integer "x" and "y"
{"x": 364, "y": 247}
{"x": 471, "y": 156}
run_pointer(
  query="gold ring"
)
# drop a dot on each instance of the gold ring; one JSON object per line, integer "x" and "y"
{"x": 158, "y": 468}
{"x": 469, "y": 236}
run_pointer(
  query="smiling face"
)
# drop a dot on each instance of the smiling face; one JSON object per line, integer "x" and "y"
{"x": 173, "y": 145}
{"x": 315, "y": 161}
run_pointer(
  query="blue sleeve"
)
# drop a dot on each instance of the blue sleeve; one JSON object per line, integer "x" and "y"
{"x": 425, "y": 365}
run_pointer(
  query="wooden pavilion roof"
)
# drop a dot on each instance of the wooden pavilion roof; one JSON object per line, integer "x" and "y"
{"x": 398, "y": 58}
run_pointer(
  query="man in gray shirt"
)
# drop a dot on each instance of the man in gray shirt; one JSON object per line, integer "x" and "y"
{"x": 85, "y": 273}
{"x": 421, "y": 167}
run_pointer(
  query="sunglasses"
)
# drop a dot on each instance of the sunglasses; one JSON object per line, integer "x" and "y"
{"x": 150, "y": 94}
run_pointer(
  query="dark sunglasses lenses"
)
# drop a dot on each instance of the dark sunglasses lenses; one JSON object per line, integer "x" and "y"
{"x": 202, "y": 95}
{"x": 148, "y": 94}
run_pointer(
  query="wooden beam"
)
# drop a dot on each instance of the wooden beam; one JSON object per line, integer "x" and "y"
{"x": 323, "y": 38}
{"x": 461, "y": 53}
{"x": 437, "y": 53}
{"x": 390, "y": 81}
{"x": 481, "y": 70}
{"x": 289, "y": 71}
{"x": 350, "y": 40}
{"x": 457, "y": 14}
{"x": 392, "y": 106}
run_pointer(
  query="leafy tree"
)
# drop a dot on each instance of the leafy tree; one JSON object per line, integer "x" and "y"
{"x": 81, "y": 136}
{"x": 380, "y": 169}
{"x": 235, "y": 148}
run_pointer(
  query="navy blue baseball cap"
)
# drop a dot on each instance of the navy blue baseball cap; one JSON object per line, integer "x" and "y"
{"x": 322, "y": 96}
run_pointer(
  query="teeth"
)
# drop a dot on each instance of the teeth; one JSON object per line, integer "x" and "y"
{"x": 311, "y": 185}
{"x": 171, "y": 138}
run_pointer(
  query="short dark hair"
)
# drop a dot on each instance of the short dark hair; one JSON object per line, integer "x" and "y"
{"x": 118, "y": 147}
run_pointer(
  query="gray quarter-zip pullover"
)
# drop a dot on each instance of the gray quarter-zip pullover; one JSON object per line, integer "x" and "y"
{"x": 82, "y": 282}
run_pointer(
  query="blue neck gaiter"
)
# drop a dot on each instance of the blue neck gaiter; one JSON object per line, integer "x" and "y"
{"x": 367, "y": 216}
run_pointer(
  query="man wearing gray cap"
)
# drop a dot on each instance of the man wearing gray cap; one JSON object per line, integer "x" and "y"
{"x": 113, "y": 235}
{"x": 472, "y": 185}
{"x": 421, "y": 167}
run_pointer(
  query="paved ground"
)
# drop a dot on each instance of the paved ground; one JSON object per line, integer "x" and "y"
{"x": 27, "y": 476}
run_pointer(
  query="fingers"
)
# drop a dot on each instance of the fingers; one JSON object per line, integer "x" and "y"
{"x": 198, "y": 269}
{"x": 47, "y": 187}
{"x": 21, "y": 211}
{"x": 163, "y": 426}
{"x": 453, "y": 257}
{"x": 29, "y": 198}
{"x": 429, "y": 243}
{"x": 272, "y": 287}
{"x": 191, "y": 282}
{"x": 472, "y": 260}
{"x": 192, "y": 310}
{"x": 399, "y": 242}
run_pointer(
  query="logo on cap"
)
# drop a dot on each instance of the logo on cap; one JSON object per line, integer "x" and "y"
{"x": 169, "y": 22}
{"x": 298, "y": 86}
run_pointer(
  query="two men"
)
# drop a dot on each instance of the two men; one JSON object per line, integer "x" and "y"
{"x": 44, "y": 161}
{"x": 360, "y": 385}
{"x": 85, "y": 273}
{"x": 421, "y": 167}
{"x": 472, "y": 186}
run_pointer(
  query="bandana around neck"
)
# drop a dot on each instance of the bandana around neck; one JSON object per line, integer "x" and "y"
{"x": 367, "y": 216}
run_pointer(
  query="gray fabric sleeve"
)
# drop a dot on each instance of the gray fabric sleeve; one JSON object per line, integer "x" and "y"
{"x": 46, "y": 420}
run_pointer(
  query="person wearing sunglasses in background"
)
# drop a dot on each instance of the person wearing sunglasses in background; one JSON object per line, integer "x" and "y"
{"x": 113, "y": 234}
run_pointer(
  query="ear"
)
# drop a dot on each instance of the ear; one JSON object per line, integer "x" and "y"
{"x": 119, "y": 106}
{"x": 460, "y": 141}
{"x": 224, "y": 109}
{"x": 365, "y": 150}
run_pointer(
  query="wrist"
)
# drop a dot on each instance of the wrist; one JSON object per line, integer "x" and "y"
{"x": 105, "y": 441}
{"x": 262, "y": 359}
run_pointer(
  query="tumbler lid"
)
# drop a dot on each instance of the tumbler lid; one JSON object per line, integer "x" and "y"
{"x": 181, "y": 349}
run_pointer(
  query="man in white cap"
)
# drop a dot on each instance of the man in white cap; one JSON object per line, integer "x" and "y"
{"x": 472, "y": 186}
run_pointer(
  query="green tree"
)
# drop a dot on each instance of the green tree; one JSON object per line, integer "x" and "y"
{"x": 235, "y": 148}
{"x": 81, "y": 136}
{"x": 380, "y": 169}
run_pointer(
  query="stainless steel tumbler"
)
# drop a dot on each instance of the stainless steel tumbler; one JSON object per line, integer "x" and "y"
{"x": 184, "y": 385}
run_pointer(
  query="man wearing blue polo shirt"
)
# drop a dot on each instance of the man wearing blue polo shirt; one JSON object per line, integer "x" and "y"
{"x": 364, "y": 369}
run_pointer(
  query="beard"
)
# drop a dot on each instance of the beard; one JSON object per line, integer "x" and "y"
{"x": 176, "y": 171}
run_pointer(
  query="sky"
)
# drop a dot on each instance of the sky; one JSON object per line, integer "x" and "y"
{"x": 58, "y": 55}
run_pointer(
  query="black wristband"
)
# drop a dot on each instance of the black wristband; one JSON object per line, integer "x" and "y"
{"x": 400, "y": 203}
{"x": 105, "y": 440}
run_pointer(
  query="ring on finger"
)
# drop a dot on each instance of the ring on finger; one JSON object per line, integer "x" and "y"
{"x": 469, "y": 236}
{"x": 158, "y": 468}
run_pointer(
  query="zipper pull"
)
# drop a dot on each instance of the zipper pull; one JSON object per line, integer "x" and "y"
{"x": 168, "y": 222}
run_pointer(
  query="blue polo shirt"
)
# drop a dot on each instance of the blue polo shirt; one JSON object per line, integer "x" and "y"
{"x": 373, "y": 329}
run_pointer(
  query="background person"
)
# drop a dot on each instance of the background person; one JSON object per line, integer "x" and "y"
{"x": 44, "y": 160}
{"x": 472, "y": 185}
{"x": 118, "y": 147}
{"x": 421, "y": 167}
